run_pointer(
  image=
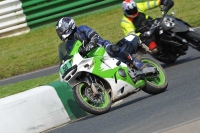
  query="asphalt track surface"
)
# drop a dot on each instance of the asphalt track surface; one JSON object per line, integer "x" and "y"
{"x": 177, "y": 110}
{"x": 30, "y": 75}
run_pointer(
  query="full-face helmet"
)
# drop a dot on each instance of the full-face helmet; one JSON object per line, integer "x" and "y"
{"x": 130, "y": 8}
{"x": 64, "y": 27}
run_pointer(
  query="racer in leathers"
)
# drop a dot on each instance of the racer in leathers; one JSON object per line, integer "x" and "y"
{"x": 66, "y": 29}
{"x": 135, "y": 17}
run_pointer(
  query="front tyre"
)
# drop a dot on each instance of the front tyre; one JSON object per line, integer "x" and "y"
{"x": 157, "y": 84}
{"x": 94, "y": 104}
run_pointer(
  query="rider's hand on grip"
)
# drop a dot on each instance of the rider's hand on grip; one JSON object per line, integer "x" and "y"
{"x": 90, "y": 46}
{"x": 168, "y": 4}
{"x": 95, "y": 38}
{"x": 82, "y": 51}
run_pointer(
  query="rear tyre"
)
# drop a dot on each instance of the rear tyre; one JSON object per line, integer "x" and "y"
{"x": 94, "y": 104}
{"x": 194, "y": 37}
{"x": 158, "y": 84}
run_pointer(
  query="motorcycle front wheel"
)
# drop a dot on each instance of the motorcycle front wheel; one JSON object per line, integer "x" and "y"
{"x": 156, "y": 84}
{"x": 96, "y": 104}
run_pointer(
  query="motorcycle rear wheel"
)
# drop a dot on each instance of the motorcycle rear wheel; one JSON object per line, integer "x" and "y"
{"x": 96, "y": 105}
{"x": 155, "y": 85}
{"x": 194, "y": 37}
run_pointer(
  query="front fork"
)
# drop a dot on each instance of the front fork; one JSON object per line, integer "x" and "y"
{"x": 90, "y": 82}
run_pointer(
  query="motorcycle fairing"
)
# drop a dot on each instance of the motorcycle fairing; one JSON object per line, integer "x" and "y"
{"x": 122, "y": 88}
{"x": 174, "y": 24}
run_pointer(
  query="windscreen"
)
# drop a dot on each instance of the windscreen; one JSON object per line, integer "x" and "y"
{"x": 64, "y": 49}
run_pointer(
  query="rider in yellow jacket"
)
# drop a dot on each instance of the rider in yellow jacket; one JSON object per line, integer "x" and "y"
{"x": 135, "y": 16}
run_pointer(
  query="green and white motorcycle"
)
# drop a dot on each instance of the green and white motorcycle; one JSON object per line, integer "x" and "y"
{"x": 98, "y": 80}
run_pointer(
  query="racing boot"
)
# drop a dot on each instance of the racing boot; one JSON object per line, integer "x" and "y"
{"x": 143, "y": 69}
{"x": 139, "y": 65}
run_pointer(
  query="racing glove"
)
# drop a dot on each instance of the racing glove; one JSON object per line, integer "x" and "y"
{"x": 84, "y": 50}
{"x": 90, "y": 46}
{"x": 168, "y": 4}
{"x": 94, "y": 38}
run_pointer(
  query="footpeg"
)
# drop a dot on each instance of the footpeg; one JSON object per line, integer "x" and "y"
{"x": 150, "y": 72}
{"x": 147, "y": 70}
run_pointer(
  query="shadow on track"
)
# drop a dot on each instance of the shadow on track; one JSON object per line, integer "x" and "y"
{"x": 121, "y": 105}
{"x": 181, "y": 61}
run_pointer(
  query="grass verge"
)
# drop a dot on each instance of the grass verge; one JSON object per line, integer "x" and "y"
{"x": 11, "y": 89}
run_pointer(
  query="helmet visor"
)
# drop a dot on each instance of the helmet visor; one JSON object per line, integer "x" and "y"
{"x": 63, "y": 28}
{"x": 132, "y": 11}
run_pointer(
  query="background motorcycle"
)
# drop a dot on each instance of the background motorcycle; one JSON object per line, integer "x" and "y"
{"x": 98, "y": 80}
{"x": 172, "y": 35}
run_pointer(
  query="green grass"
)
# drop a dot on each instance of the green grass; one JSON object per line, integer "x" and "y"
{"x": 26, "y": 85}
{"x": 38, "y": 49}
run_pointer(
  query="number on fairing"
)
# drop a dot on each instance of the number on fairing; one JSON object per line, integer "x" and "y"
{"x": 65, "y": 66}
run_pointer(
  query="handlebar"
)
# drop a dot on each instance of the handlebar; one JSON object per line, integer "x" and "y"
{"x": 155, "y": 24}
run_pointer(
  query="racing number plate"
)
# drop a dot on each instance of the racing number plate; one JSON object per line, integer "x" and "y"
{"x": 65, "y": 66}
